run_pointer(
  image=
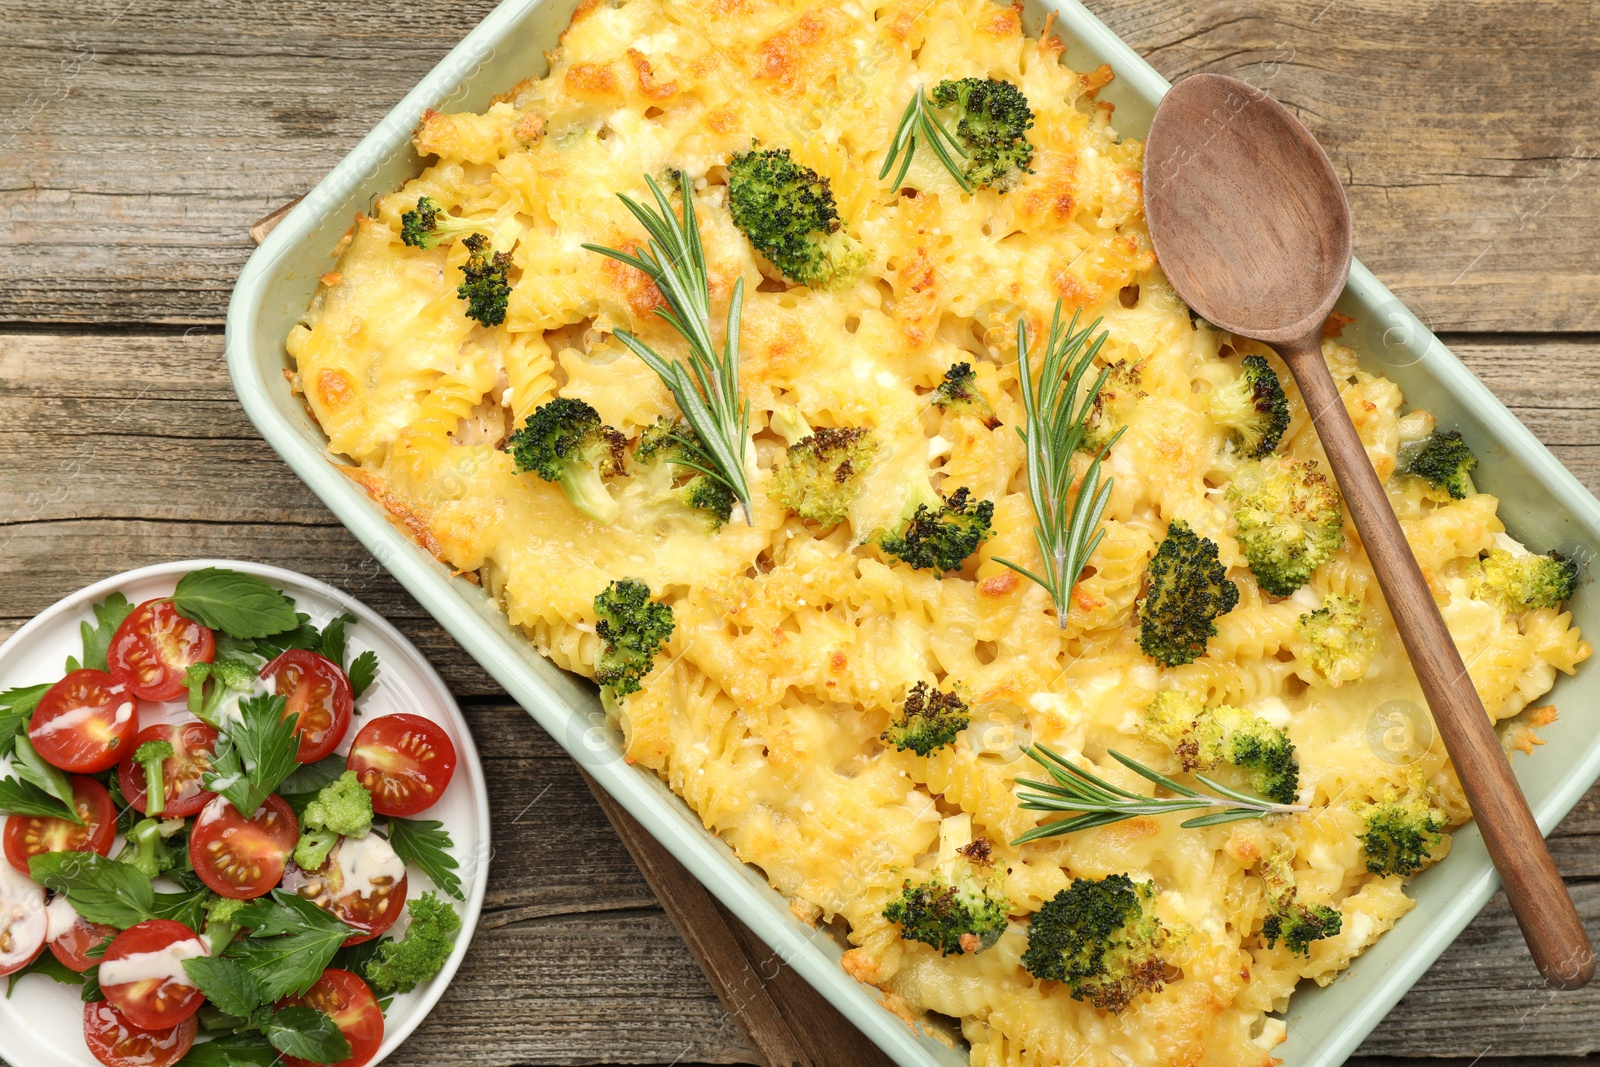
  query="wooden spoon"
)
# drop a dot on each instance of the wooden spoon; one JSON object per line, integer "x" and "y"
{"x": 1252, "y": 228}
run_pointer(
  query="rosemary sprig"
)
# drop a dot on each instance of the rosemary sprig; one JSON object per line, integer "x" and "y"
{"x": 918, "y": 123}
{"x": 1057, "y": 413}
{"x": 1102, "y": 803}
{"x": 707, "y": 390}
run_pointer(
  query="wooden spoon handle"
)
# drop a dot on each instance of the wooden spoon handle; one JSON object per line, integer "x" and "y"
{"x": 1544, "y": 909}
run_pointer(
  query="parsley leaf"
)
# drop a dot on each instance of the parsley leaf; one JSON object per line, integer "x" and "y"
{"x": 186, "y": 908}
{"x": 308, "y": 779}
{"x": 290, "y": 943}
{"x": 91, "y": 985}
{"x": 21, "y": 798}
{"x": 423, "y": 842}
{"x": 226, "y": 983}
{"x": 256, "y": 753}
{"x": 363, "y": 672}
{"x": 108, "y": 614}
{"x": 331, "y": 642}
{"x": 32, "y": 768}
{"x": 16, "y": 708}
{"x": 306, "y": 1034}
{"x": 240, "y": 605}
{"x": 232, "y": 1050}
{"x": 101, "y": 890}
{"x": 46, "y": 964}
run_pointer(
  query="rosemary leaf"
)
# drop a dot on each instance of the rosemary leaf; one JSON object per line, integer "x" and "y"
{"x": 918, "y": 126}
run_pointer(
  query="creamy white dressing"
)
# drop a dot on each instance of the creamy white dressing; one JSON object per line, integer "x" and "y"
{"x": 60, "y": 916}
{"x": 368, "y": 864}
{"x": 163, "y": 965}
{"x": 69, "y": 720}
{"x": 218, "y": 805}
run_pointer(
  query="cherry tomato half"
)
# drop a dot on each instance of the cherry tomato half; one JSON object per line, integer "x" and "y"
{"x": 238, "y": 857}
{"x": 23, "y": 921}
{"x": 405, "y": 762}
{"x": 34, "y": 835}
{"x": 71, "y": 946}
{"x": 319, "y": 692}
{"x": 84, "y": 722}
{"x": 370, "y": 902}
{"x": 153, "y": 648}
{"x": 142, "y": 973}
{"x": 193, "y": 745}
{"x": 116, "y": 1042}
{"x": 348, "y": 1001}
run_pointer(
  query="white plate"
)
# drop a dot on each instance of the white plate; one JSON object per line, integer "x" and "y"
{"x": 41, "y": 1025}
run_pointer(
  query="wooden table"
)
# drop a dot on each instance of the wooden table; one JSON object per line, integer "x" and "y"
{"x": 140, "y": 138}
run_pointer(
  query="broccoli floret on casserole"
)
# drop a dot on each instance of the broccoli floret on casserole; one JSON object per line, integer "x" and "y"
{"x": 788, "y": 213}
{"x": 565, "y": 442}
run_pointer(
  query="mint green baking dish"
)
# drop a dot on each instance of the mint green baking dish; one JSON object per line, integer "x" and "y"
{"x": 1543, "y": 505}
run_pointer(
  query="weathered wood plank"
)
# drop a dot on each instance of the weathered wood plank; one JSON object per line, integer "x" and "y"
{"x": 131, "y": 128}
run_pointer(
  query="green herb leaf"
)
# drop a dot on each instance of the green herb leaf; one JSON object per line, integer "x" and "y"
{"x": 240, "y": 605}
{"x": 108, "y": 615}
{"x": 307, "y": 1034}
{"x": 422, "y": 842}
{"x": 291, "y": 941}
{"x": 16, "y": 708}
{"x": 91, "y": 986}
{"x": 232, "y": 1050}
{"x": 100, "y": 890}
{"x": 331, "y": 641}
{"x": 46, "y": 964}
{"x": 186, "y": 908}
{"x": 32, "y": 768}
{"x": 20, "y": 798}
{"x": 301, "y": 787}
{"x": 226, "y": 983}
{"x": 363, "y": 672}
{"x": 255, "y": 754}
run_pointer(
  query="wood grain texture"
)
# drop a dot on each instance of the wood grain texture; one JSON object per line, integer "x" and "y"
{"x": 142, "y": 141}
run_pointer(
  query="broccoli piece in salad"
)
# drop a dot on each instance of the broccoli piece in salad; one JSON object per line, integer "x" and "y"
{"x": 1100, "y": 937}
{"x": 484, "y": 286}
{"x": 1205, "y": 737}
{"x": 428, "y": 223}
{"x": 1340, "y": 639}
{"x": 632, "y": 628}
{"x": 1529, "y": 581}
{"x": 673, "y": 442}
{"x": 149, "y": 848}
{"x": 788, "y": 213}
{"x": 1290, "y": 520}
{"x": 1400, "y": 833}
{"x": 342, "y": 808}
{"x": 929, "y": 720}
{"x": 222, "y": 924}
{"x": 1253, "y": 408}
{"x": 209, "y": 684}
{"x": 1188, "y": 590}
{"x": 152, "y": 758}
{"x": 1443, "y": 460}
{"x": 992, "y": 124}
{"x": 1298, "y": 925}
{"x": 958, "y": 392}
{"x": 400, "y": 966}
{"x": 939, "y": 533}
{"x": 565, "y": 442}
{"x": 820, "y": 477}
{"x": 960, "y": 906}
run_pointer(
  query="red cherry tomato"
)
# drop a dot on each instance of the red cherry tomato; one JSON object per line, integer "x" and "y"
{"x": 34, "y": 835}
{"x": 319, "y": 692}
{"x": 154, "y": 646}
{"x": 238, "y": 857}
{"x": 142, "y": 973}
{"x": 23, "y": 921}
{"x": 348, "y": 1001}
{"x": 84, "y": 722}
{"x": 116, "y": 1042}
{"x": 71, "y": 946}
{"x": 371, "y": 903}
{"x": 405, "y": 762}
{"x": 193, "y": 745}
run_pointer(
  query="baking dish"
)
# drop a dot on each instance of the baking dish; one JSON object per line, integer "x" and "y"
{"x": 1542, "y": 503}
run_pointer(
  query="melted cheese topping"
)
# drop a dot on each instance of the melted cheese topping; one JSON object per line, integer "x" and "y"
{"x": 794, "y": 647}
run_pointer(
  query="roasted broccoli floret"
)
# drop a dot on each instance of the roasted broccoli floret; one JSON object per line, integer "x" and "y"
{"x": 1202, "y": 738}
{"x": 1297, "y": 926}
{"x": 1400, "y": 833}
{"x": 929, "y": 720}
{"x": 210, "y": 683}
{"x": 1252, "y": 407}
{"x": 959, "y": 393}
{"x": 1528, "y": 581}
{"x": 149, "y": 849}
{"x": 1443, "y": 460}
{"x": 222, "y": 922}
{"x": 788, "y": 213}
{"x": 1289, "y": 519}
{"x": 632, "y": 628}
{"x": 819, "y": 477}
{"x": 343, "y": 808}
{"x": 1113, "y": 405}
{"x": 992, "y": 123}
{"x": 1340, "y": 641}
{"x": 673, "y": 442}
{"x": 152, "y": 757}
{"x": 401, "y": 966}
{"x": 1189, "y": 589}
{"x": 564, "y": 441}
{"x": 484, "y": 286}
{"x": 940, "y": 532}
{"x": 1100, "y": 938}
{"x": 961, "y": 905}
{"x": 428, "y": 223}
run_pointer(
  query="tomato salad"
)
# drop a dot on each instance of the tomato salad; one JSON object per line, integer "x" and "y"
{"x": 184, "y": 841}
